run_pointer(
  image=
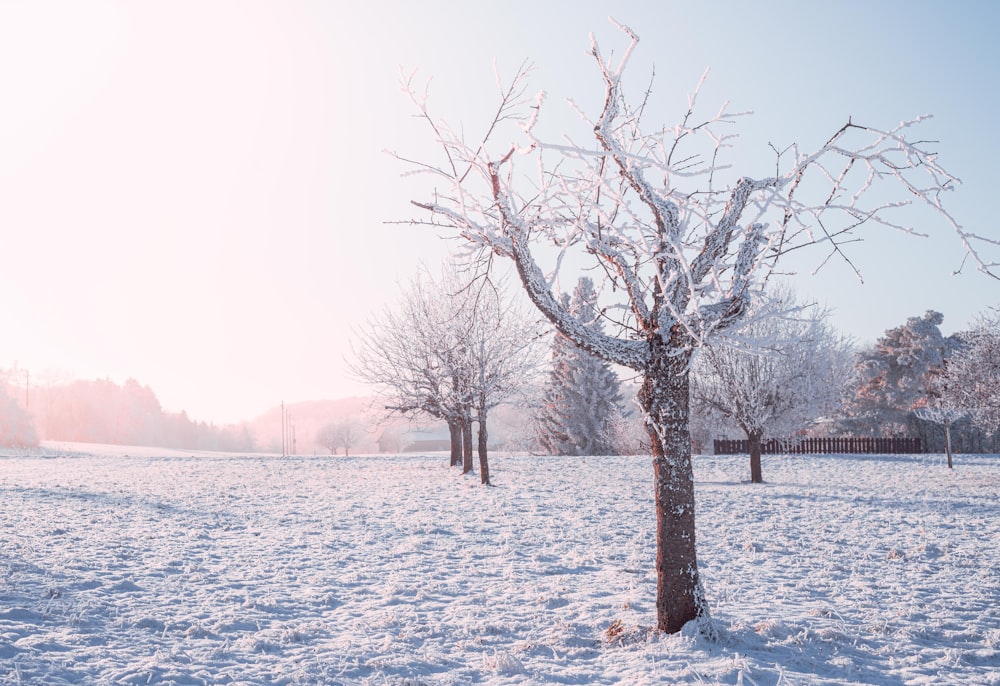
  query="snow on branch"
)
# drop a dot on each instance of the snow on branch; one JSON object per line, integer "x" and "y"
{"x": 682, "y": 241}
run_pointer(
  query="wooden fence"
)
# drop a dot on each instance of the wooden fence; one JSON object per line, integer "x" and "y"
{"x": 822, "y": 446}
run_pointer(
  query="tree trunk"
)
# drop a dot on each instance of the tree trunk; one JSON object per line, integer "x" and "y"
{"x": 466, "y": 444}
{"x": 756, "y": 475}
{"x": 484, "y": 464}
{"x": 665, "y": 396}
{"x": 455, "y": 433}
{"x": 947, "y": 442}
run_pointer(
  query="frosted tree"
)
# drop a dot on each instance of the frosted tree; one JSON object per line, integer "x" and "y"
{"x": 950, "y": 387}
{"x": 452, "y": 349}
{"x": 408, "y": 354}
{"x": 681, "y": 239}
{"x": 943, "y": 414}
{"x": 782, "y": 373}
{"x": 899, "y": 374}
{"x": 341, "y": 433}
{"x": 551, "y": 425}
{"x": 972, "y": 374}
{"x": 500, "y": 356}
{"x": 583, "y": 395}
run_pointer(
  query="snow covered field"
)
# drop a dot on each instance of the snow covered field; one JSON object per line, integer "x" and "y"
{"x": 327, "y": 570}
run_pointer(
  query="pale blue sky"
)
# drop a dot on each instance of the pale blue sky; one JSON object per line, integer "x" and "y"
{"x": 194, "y": 193}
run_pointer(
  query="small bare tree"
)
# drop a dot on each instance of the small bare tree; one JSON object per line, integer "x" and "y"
{"x": 454, "y": 349}
{"x": 408, "y": 355}
{"x": 681, "y": 242}
{"x": 342, "y": 433}
{"x": 503, "y": 353}
{"x": 944, "y": 415}
{"x": 783, "y": 372}
{"x": 967, "y": 383}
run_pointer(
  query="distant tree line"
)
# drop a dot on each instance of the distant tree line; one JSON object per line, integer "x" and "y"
{"x": 784, "y": 375}
{"x": 17, "y": 430}
{"x": 943, "y": 389}
{"x": 912, "y": 383}
{"x": 102, "y": 411}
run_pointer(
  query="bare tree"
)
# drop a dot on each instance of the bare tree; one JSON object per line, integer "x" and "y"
{"x": 503, "y": 354}
{"x": 342, "y": 433}
{"x": 972, "y": 373}
{"x": 407, "y": 354}
{"x": 681, "y": 242}
{"x": 454, "y": 349}
{"x": 944, "y": 415}
{"x": 783, "y": 372}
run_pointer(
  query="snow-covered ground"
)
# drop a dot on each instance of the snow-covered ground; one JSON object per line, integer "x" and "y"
{"x": 326, "y": 570}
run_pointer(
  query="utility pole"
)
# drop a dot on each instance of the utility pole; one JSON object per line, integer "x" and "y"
{"x": 283, "y": 441}
{"x": 27, "y": 386}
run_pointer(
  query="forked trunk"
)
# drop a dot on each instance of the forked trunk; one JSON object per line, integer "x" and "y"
{"x": 664, "y": 397}
{"x": 455, "y": 434}
{"x": 756, "y": 475}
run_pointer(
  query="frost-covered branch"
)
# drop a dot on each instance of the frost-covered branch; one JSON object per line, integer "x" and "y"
{"x": 683, "y": 242}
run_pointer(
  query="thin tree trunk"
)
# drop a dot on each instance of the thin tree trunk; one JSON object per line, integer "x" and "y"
{"x": 466, "y": 444}
{"x": 947, "y": 442}
{"x": 756, "y": 475}
{"x": 665, "y": 396}
{"x": 455, "y": 433}
{"x": 484, "y": 464}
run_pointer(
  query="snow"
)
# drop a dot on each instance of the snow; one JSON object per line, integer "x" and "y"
{"x": 205, "y": 569}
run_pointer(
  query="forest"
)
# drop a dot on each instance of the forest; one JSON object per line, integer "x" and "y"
{"x": 102, "y": 411}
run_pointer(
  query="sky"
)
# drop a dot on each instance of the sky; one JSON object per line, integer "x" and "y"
{"x": 197, "y": 194}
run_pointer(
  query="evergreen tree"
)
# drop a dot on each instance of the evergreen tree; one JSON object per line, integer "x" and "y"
{"x": 583, "y": 394}
{"x": 555, "y": 412}
{"x": 899, "y": 375}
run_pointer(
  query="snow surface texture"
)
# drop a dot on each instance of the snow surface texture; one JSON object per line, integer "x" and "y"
{"x": 326, "y": 570}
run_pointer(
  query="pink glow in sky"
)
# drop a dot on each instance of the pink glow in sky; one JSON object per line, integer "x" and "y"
{"x": 193, "y": 194}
